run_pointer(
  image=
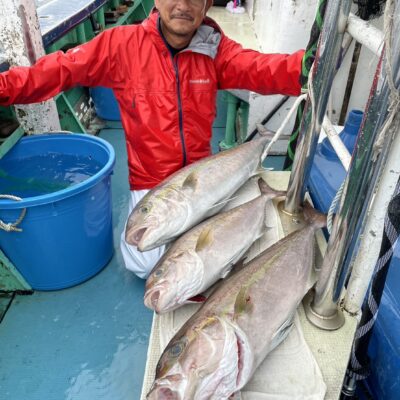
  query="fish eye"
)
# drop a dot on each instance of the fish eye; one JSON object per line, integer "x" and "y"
{"x": 176, "y": 349}
{"x": 158, "y": 272}
{"x": 145, "y": 209}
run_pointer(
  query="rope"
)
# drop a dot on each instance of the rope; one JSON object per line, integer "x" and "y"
{"x": 283, "y": 124}
{"x": 332, "y": 208}
{"x": 12, "y": 227}
{"x": 306, "y": 64}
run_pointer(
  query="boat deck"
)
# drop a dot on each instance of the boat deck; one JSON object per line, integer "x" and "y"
{"x": 91, "y": 341}
{"x": 85, "y": 342}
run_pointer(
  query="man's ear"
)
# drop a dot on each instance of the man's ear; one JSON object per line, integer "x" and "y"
{"x": 209, "y": 3}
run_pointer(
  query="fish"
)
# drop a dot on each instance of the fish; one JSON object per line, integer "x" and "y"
{"x": 206, "y": 253}
{"x": 217, "y": 350}
{"x": 192, "y": 194}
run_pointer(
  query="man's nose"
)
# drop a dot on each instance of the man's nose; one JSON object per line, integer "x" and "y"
{"x": 183, "y": 4}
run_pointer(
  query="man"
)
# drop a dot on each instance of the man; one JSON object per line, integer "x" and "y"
{"x": 165, "y": 74}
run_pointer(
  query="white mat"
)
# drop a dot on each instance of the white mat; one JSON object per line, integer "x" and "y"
{"x": 289, "y": 372}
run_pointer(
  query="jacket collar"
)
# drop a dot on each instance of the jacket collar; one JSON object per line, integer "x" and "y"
{"x": 205, "y": 41}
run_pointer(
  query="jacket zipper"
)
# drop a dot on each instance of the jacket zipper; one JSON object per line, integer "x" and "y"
{"x": 178, "y": 86}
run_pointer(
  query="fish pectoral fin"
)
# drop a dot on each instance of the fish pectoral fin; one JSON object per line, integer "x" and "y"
{"x": 191, "y": 182}
{"x": 199, "y": 298}
{"x": 282, "y": 332}
{"x": 231, "y": 265}
{"x": 243, "y": 303}
{"x": 226, "y": 271}
{"x": 204, "y": 240}
{"x": 239, "y": 265}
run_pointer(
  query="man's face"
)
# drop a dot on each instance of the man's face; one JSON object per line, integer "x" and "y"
{"x": 181, "y": 18}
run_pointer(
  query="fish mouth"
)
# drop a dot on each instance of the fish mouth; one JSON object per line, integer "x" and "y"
{"x": 151, "y": 299}
{"x": 134, "y": 237}
{"x": 155, "y": 300}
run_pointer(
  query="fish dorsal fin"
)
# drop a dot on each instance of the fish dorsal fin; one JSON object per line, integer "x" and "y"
{"x": 243, "y": 302}
{"x": 191, "y": 181}
{"x": 204, "y": 240}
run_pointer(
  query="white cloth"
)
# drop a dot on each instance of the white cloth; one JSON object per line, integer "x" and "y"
{"x": 141, "y": 263}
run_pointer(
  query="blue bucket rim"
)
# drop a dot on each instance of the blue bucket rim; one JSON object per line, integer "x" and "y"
{"x": 71, "y": 190}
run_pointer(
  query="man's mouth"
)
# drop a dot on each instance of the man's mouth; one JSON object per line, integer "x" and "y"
{"x": 182, "y": 16}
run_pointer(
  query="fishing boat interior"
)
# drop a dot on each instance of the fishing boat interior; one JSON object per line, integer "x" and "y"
{"x": 73, "y": 323}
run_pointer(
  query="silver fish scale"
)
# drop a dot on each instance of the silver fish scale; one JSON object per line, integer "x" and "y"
{"x": 273, "y": 291}
{"x": 195, "y": 192}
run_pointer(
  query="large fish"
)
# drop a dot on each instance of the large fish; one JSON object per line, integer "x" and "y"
{"x": 217, "y": 350}
{"x": 206, "y": 253}
{"x": 191, "y": 194}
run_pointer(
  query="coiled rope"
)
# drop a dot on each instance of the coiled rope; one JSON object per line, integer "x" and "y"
{"x": 12, "y": 226}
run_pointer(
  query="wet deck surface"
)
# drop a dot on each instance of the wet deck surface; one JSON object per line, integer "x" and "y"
{"x": 85, "y": 342}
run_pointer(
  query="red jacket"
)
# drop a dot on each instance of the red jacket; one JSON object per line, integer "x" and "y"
{"x": 167, "y": 105}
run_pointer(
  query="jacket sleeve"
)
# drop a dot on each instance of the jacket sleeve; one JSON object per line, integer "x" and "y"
{"x": 89, "y": 64}
{"x": 239, "y": 68}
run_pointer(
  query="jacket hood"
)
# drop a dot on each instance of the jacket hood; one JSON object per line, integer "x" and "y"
{"x": 205, "y": 41}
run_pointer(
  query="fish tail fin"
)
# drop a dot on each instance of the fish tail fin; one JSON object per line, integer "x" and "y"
{"x": 266, "y": 138}
{"x": 263, "y": 131}
{"x": 314, "y": 217}
{"x": 267, "y": 191}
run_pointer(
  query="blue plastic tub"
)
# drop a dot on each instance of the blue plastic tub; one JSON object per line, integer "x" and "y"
{"x": 64, "y": 181}
{"x": 105, "y": 103}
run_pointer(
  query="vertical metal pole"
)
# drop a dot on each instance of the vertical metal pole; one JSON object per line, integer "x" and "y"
{"x": 21, "y": 40}
{"x": 365, "y": 171}
{"x": 322, "y": 75}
